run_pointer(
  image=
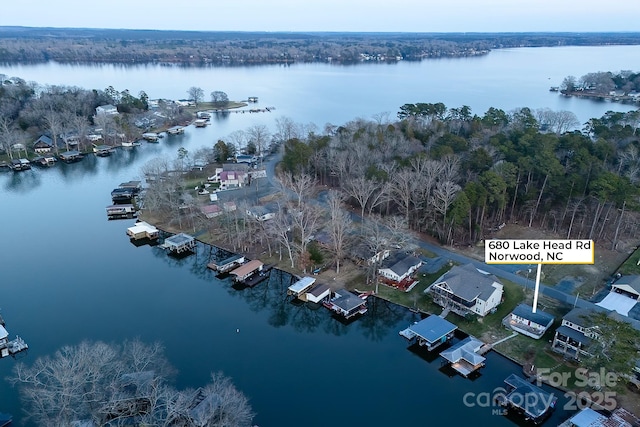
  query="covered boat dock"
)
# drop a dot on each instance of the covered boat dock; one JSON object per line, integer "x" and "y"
{"x": 300, "y": 288}
{"x": 179, "y": 243}
{"x": 247, "y": 270}
{"x": 533, "y": 402}
{"x": 142, "y": 230}
{"x": 430, "y": 332}
{"x": 465, "y": 356}
{"x": 226, "y": 264}
{"x": 346, "y": 304}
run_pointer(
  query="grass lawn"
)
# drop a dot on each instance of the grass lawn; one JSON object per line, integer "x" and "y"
{"x": 631, "y": 265}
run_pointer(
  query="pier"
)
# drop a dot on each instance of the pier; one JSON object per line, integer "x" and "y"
{"x": 13, "y": 347}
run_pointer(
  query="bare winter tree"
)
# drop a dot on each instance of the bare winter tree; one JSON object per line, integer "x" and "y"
{"x": 196, "y": 94}
{"x": 280, "y": 228}
{"x": 300, "y": 186}
{"x": 339, "y": 225}
{"x": 306, "y": 221}
{"x": 118, "y": 384}
{"x": 9, "y": 136}
{"x": 259, "y": 135}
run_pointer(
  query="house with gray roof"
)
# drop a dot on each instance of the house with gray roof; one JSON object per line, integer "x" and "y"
{"x": 43, "y": 145}
{"x": 399, "y": 266}
{"x": 523, "y": 320}
{"x": 466, "y": 290}
{"x": 574, "y": 336}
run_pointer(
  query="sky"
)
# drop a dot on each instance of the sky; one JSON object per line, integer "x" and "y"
{"x": 330, "y": 15}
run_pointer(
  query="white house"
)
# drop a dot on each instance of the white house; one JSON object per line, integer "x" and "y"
{"x": 399, "y": 266}
{"x": 106, "y": 109}
{"x": 261, "y": 213}
{"x": 466, "y": 290}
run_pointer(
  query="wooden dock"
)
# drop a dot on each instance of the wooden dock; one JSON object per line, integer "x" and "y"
{"x": 258, "y": 277}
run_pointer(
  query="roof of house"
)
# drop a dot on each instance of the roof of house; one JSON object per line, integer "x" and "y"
{"x": 526, "y": 312}
{"x": 468, "y": 283}
{"x": 633, "y": 281}
{"x": 465, "y": 349}
{"x": 106, "y": 107}
{"x": 573, "y": 334}
{"x": 578, "y": 316}
{"x": 44, "y": 139}
{"x": 433, "y": 328}
{"x": 588, "y": 418}
{"x": 210, "y": 209}
{"x": 400, "y": 263}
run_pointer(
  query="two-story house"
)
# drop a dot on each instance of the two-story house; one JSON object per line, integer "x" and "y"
{"x": 466, "y": 290}
{"x": 575, "y": 334}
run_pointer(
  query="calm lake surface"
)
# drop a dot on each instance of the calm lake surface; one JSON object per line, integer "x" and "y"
{"x": 69, "y": 275}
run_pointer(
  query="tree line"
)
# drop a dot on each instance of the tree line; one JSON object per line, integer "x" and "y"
{"x": 603, "y": 82}
{"x": 233, "y": 48}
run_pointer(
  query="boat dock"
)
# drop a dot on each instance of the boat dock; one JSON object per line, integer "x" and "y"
{"x": 431, "y": 332}
{"x": 531, "y": 401}
{"x": 346, "y": 304}
{"x": 20, "y": 165}
{"x": 179, "y": 243}
{"x": 175, "y": 130}
{"x": 465, "y": 356}
{"x": 257, "y": 276}
{"x": 121, "y": 211}
{"x": 227, "y": 264}
{"x": 143, "y": 230}
{"x": 299, "y": 289}
{"x": 10, "y": 348}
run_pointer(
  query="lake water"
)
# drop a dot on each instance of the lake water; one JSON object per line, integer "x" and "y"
{"x": 68, "y": 274}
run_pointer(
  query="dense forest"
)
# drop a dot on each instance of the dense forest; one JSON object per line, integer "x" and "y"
{"x": 458, "y": 176}
{"x": 22, "y": 44}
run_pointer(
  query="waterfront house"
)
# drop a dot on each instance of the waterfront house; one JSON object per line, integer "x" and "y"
{"x": 106, "y": 109}
{"x": 523, "y": 320}
{"x": 465, "y": 356}
{"x": 466, "y": 290}
{"x": 346, "y": 304}
{"x": 300, "y": 287}
{"x": 397, "y": 270}
{"x": 575, "y": 334}
{"x": 43, "y": 145}
{"x": 430, "y": 332}
{"x": 531, "y": 401}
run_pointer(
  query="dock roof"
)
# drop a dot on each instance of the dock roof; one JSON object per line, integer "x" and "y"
{"x": 466, "y": 350}
{"x": 433, "y": 328}
{"x": 141, "y": 227}
{"x": 347, "y": 301}
{"x": 178, "y": 239}
{"x": 3, "y": 332}
{"x": 318, "y": 290}
{"x": 302, "y": 285}
{"x": 531, "y": 399}
{"x": 248, "y": 268}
